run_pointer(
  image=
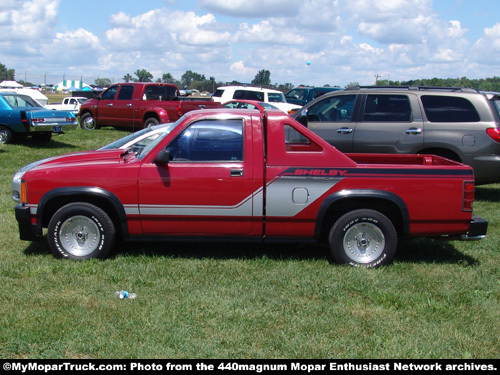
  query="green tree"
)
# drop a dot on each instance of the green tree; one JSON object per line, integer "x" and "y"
{"x": 102, "y": 82}
{"x": 262, "y": 78}
{"x": 127, "y": 77}
{"x": 6, "y": 74}
{"x": 143, "y": 75}
{"x": 188, "y": 78}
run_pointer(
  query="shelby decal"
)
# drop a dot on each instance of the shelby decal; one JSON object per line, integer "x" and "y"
{"x": 322, "y": 172}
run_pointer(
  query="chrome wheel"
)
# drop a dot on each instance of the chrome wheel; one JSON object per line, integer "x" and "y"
{"x": 364, "y": 243}
{"x": 79, "y": 235}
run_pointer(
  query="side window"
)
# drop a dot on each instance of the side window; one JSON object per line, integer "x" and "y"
{"x": 449, "y": 109}
{"x": 295, "y": 141}
{"x": 333, "y": 109}
{"x": 249, "y": 95}
{"x": 209, "y": 140}
{"x": 387, "y": 108}
{"x": 110, "y": 93}
{"x": 126, "y": 93}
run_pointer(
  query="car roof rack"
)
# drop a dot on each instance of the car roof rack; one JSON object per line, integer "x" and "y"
{"x": 415, "y": 88}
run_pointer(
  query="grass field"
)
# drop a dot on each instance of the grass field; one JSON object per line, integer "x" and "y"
{"x": 436, "y": 300}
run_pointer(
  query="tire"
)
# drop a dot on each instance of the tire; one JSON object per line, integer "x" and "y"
{"x": 364, "y": 237}
{"x": 150, "y": 122}
{"x": 81, "y": 231}
{"x": 88, "y": 122}
{"x": 6, "y": 135}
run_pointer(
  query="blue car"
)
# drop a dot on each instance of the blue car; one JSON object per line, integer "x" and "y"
{"x": 20, "y": 115}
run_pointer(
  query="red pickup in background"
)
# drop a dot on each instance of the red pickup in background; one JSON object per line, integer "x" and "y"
{"x": 138, "y": 105}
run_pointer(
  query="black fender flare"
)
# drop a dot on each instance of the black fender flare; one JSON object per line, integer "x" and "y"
{"x": 90, "y": 194}
{"x": 357, "y": 194}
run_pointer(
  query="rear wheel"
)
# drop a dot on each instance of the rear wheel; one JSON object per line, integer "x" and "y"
{"x": 151, "y": 122}
{"x": 6, "y": 135}
{"x": 364, "y": 238}
{"x": 81, "y": 231}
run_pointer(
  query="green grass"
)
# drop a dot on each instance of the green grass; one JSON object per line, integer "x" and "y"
{"x": 436, "y": 300}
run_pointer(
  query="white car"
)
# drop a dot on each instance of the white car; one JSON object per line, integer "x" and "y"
{"x": 277, "y": 98}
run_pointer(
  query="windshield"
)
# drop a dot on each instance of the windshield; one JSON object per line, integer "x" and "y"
{"x": 154, "y": 142}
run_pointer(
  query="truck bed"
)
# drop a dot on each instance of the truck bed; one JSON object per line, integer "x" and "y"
{"x": 405, "y": 159}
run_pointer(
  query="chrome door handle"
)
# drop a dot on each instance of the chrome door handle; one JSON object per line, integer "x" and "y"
{"x": 413, "y": 131}
{"x": 236, "y": 172}
{"x": 110, "y": 104}
{"x": 344, "y": 130}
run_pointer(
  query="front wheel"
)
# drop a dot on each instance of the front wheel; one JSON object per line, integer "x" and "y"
{"x": 364, "y": 238}
{"x": 81, "y": 231}
{"x": 88, "y": 122}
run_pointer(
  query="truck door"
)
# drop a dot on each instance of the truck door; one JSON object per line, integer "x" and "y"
{"x": 119, "y": 111}
{"x": 333, "y": 120}
{"x": 207, "y": 186}
{"x": 389, "y": 123}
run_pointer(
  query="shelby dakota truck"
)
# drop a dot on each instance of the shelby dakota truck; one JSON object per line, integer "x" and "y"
{"x": 138, "y": 105}
{"x": 238, "y": 175}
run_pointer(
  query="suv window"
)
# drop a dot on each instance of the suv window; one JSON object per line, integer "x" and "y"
{"x": 449, "y": 109}
{"x": 249, "y": 95}
{"x": 387, "y": 108}
{"x": 209, "y": 140}
{"x": 333, "y": 109}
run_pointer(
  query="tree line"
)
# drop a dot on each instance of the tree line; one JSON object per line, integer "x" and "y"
{"x": 195, "y": 81}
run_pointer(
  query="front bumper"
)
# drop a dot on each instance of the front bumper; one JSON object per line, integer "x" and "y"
{"x": 27, "y": 230}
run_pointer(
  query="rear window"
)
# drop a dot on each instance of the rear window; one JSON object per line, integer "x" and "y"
{"x": 449, "y": 109}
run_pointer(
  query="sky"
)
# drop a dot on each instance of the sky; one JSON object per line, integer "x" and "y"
{"x": 311, "y": 42}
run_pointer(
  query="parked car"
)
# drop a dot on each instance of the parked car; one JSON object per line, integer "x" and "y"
{"x": 303, "y": 95}
{"x": 275, "y": 97}
{"x": 69, "y": 103}
{"x": 457, "y": 123}
{"x": 249, "y": 104}
{"x": 21, "y": 115}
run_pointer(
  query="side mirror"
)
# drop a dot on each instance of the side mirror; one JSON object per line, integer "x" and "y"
{"x": 303, "y": 117}
{"x": 162, "y": 158}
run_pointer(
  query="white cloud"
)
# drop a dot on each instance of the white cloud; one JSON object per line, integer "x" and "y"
{"x": 253, "y": 9}
{"x": 487, "y": 49}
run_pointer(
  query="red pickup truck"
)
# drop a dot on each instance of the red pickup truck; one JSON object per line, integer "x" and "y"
{"x": 240, "y": 175}
{"x": 138, "y": 105}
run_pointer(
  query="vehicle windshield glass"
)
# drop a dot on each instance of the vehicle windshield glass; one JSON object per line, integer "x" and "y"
{"x": 16, "y": 101}
{"x": 276, "y": 97}
{"x": 154, "y": 142}
{"x": 120, "y": 142}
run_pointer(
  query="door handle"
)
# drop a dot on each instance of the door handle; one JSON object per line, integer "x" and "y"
{"x": 413, "y": 131}
{"x": 110, "y": 104}
{"x": 344, "y": 130}
{"x": 129, "y": 105}
{"x": 236, "y": 172}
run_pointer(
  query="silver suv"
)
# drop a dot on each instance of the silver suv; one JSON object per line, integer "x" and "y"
{"x": 457, "y": 123}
